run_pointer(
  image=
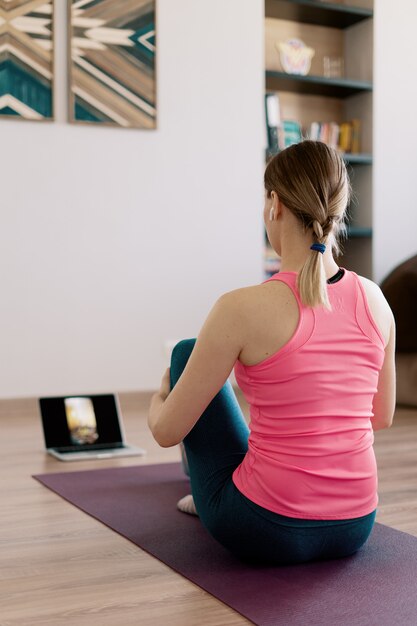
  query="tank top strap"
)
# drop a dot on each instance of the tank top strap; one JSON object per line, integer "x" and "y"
{"x": 290, "y": 279}
{"x": 364, "y": 317}
{"x": 306, "y": 320}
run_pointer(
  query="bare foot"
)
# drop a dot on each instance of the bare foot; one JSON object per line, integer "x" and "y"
{"x": 186, "y": 505}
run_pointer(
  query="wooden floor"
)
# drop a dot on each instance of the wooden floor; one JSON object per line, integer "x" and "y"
{"x": 60, "y": 566}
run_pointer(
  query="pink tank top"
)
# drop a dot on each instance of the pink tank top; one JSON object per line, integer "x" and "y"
{"x": 310, "y": 449}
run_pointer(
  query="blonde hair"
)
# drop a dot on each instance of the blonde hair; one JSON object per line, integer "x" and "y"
{"x": 311, "y": 180}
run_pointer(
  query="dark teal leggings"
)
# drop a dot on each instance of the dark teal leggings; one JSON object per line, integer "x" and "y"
{"x": 214, "y": 448}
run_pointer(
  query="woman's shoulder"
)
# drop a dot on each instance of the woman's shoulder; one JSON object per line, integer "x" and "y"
{"x": 378, "y": 305}
{"x": 255, "y": 311}
{"x": 260, "y": 304}
{"x": 373, "y": 292}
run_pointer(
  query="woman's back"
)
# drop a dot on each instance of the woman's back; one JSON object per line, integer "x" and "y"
{"x": 272, "y": 314}
{"x": 310, "y": 449}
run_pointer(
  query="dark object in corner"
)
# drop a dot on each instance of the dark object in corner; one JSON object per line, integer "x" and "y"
{"x": 400, "y": 289}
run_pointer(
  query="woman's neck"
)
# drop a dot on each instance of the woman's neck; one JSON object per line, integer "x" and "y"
{"x": 294, "y": 245}
{"x": 296, "y": 264}
{"x": 295, "y": 253}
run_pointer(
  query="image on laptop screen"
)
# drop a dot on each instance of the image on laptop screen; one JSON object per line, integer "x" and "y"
{"x": 81, "y": 420}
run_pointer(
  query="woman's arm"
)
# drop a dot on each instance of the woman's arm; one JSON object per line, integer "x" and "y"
{"x": 384, "y": 399}
{"x": 172, "y": 415}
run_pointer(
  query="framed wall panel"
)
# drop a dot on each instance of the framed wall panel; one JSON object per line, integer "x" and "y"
{"x": 26, "y": 59}
{"x": 112, "y": 47}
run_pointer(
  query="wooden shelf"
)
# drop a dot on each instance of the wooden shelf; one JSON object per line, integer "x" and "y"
{"x": 358, "y": 159}
{"x": 319, "y": 13}
{"x": 315, "y": 85}
{"x": 359, "y": 232}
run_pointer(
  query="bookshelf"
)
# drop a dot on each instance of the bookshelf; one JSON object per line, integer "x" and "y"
{"x": 342, "y": 29}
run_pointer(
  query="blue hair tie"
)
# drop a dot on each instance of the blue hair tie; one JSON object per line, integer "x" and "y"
{"x": 318, "y": 247}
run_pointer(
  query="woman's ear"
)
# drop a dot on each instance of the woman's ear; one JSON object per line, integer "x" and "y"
{"x": 276, "y": 207}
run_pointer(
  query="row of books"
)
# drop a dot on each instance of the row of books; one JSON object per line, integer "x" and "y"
{"x": 346, "y": 136}
{"x": 282, "y": 133}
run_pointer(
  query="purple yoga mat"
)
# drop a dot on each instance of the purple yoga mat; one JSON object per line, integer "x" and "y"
{"x": 375, "y": 587}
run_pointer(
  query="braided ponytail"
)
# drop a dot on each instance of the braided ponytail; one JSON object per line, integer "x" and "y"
{"x": 312, "y": 283}
{"x": 311, "y": 180}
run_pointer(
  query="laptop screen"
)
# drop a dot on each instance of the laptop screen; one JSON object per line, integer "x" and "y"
{"x": 80, "y": 421}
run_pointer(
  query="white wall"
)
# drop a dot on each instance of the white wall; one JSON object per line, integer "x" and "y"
{"x": 112, "y": 241}
{"x": 395, "y": 135}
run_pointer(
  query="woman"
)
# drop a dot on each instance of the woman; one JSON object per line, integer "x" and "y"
{"x": 313, "y": 351}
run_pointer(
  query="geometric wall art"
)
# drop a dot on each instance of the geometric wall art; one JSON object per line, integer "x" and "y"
{"x": 112, "y": 46}
{"x": 26, "y": 59}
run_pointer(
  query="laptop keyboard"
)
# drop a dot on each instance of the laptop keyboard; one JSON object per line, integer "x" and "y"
{"x": 86, "y": 448}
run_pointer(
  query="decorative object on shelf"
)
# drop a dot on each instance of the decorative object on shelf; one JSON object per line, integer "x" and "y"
{"x": 112, "y": 62}
{"x": 26, "y": 53}
{"x": 333, "y": 66}
{"x": 295, "y": 56}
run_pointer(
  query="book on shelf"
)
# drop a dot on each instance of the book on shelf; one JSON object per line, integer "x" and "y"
{"x": 273, "y": 120}
{"x": 290, "y": 134}
{"x": 355, "y": 147}
{"x": 346, "y": 137}
{"x": 280, "y": 133}
{"x": 327, "y": 132}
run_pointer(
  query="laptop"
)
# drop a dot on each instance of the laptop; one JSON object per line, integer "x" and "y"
{"x": 84, "y": 427}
